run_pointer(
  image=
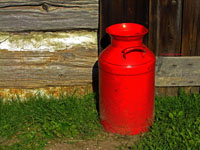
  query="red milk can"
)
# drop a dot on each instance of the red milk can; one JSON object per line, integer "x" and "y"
{"x": 126, "y": 81}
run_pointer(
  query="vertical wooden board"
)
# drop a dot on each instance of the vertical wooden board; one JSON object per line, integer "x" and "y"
{"x": 137, "y": 11}
{"x": 104, "y": 19}
{"x": 130, "y": 10}
{"x": 111, "y": 12}
{"x": 191, "y": 28}
{"x": 187, "y": 90}
{"x": 153, "y": 23}
{"x": 143, "y": 12}
{"x": 165, "y": 19}
{"x": 195, "y": 90}
{"x": 160, "y": 91}
{"x": 118, "y": 11}
{"x": 143, "y": 16}
{"x": 171, "y": 91}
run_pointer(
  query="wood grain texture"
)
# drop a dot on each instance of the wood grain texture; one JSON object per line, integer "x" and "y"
{"x": 48, "y": 41}
{"x": 191, "y": 30}
{"x": 46, "y": 59}
{"x": 178, "y": 71}
{"x": 165, "y": 21}
{"x": 191, "y": 90}
{"x": 195, "y": 90}
{"x": 47, "y": 69}
{"x": 77, "y": 67}
{"x": 45, "y": 15}
{"x": 187, "y": 89}
{"x": 172, "y": 91}
{"x": 166, "y": 91}
{"x": 160, "y": 91}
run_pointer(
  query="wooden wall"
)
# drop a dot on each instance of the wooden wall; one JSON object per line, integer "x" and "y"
{"x": 173, "y": 29}
{"x": 48, "y": 15}
{"x": 51, "y": 45}
{"x": 173, "y": 36}
{"x": 47, "y": 46}
{"x": 173, "y": 24}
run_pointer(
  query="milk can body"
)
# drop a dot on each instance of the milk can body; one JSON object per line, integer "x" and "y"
{"x": 126, "y": 81}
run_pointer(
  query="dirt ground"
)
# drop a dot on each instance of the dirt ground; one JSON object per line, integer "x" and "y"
{"x": 105, "y": 142}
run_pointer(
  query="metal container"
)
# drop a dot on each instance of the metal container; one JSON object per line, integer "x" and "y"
{"x": 126, "y": 81}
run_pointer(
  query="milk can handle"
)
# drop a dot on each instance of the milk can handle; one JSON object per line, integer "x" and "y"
{"x": 133, "y": 49}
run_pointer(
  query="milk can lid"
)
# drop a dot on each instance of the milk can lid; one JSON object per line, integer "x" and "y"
{"x": 126, "y": 29}
{"x": 127, "y": 47}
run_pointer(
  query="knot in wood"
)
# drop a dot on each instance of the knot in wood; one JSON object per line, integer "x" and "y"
{"x": 45, "y": 6}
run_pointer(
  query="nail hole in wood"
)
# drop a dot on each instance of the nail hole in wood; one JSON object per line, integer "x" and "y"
{"x": 174, "y": 65}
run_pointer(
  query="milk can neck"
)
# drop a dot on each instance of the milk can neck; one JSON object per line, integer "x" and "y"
{"x": 123, "y": 41}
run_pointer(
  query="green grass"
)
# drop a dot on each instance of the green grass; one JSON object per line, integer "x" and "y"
{"x": 176, "y": 126}
{"x": 32, "y": 123}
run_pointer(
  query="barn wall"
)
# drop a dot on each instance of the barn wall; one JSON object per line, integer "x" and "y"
{"x": 48, "y": 46}
{"x": 48, "y": 15}
{"x": 53, "y": 46}
{"x": 173, "y": 36}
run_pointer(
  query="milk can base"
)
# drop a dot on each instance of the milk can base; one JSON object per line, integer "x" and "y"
{"x": 123, "y": 131}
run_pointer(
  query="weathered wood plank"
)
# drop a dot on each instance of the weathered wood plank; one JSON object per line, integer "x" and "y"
{"x": 160, "y": 91}
{"x": 70, "y": 60}
{"x": 178, "y": 71}
{"x": 33, "y": 15}
{"x": 187, "y": 90}
{"x": 191, "y": 31}
{"x": 165, "y": 21}
{"x": 60, "y": 69}
{"x": 171, "y": 91}
{"x": 27, "y": 70}
{"x": 48, "y": 41}
{"x": 195, "y": 90}
{"x": 166, "y": 91}
{"x": 10, "y": 3}
{"x": 37, "y": 59}
{"x": 174, "y": 91}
